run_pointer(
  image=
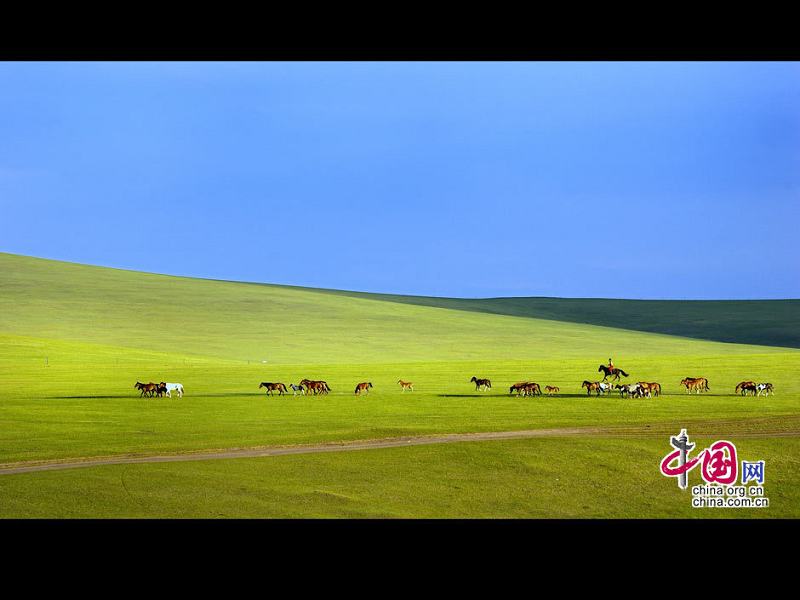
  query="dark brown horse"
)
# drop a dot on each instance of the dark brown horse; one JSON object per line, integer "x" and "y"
{"x": 481, "y": 383}
{"x": 271, "y": 387}
{"x": 611, "y": 372}
{"x": 749, "y": 387}
{"x": 363, "y": 387}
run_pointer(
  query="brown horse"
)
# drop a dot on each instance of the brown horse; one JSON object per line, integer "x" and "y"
{"x": 740, "y": 387}
{"x": 551, "y": 389}
{"x": 271, "y": 387}
{"x": 751, "y": 388}
{"x": 317, "y": 387}
{"x": 363, "y": 387}
{"x": 655, "y": 388}
{"x": 517, "y": 387}
{"x": 146, "y": 388}
{"x": 591, "y": 386}
{"x": 405, "y": 385}
{"x": 698, "y": 384}
{"x": 484, "y": 383}
{"x": 532, "y": 389}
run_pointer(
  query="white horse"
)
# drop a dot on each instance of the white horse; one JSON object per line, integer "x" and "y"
{"x": 766, "y": 388}
{"x": 631, "y": 390}
{"x": 175, "y": 387}
{"x": 605, "y": 388}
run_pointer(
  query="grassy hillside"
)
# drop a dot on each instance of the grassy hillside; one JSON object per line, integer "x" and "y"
{"x": 65, "y": 301}
{"x": 766, "y": 322}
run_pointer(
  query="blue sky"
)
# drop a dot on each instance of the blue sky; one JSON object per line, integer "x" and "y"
{"x": 633, "y": 180}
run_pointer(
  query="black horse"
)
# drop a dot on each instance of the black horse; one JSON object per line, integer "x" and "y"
{"x": 609, "y": 371}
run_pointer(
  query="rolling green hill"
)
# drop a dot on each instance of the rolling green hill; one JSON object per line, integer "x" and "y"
{"x": 281, "y": 324}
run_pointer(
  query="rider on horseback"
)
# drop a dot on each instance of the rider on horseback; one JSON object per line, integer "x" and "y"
{"x": 610, "y": 366}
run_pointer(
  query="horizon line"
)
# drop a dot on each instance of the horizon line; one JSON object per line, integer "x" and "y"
{"x": 307, "y": 287}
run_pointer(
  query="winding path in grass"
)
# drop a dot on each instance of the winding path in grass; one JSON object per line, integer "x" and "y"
{"x": 394, "y": 442}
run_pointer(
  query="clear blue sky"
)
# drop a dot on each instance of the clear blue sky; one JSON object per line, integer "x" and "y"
{"x": 634, "y": 180}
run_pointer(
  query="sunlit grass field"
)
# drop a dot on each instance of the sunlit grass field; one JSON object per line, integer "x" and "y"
{"x": 74, "y": 339}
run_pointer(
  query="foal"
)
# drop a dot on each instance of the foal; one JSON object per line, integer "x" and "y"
{"x": 405, "y": 385}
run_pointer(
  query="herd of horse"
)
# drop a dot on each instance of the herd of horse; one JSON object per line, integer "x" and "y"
{"x": 640, "y": 389}
{"x": 159, "y": 389}
{"x": 306, "y": 385}
{"x": 756, "y": 389}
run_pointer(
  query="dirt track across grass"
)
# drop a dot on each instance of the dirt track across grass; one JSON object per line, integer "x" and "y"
{"x": 395, "y": 442}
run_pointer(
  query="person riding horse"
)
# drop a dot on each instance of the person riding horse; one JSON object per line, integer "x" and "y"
{"x": 611, "y": 371}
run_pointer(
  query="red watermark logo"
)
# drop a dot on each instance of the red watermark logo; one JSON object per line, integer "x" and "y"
{"x": 719, "y": 463}
{"x": 720, "y": 470}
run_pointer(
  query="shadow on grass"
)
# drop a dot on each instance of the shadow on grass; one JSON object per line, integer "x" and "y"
{"x": 511, "y": 396}
{"x": 174, "y": 396}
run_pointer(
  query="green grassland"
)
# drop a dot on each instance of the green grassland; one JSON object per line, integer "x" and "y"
{"x": 543, "y": 478}
{"x": 75, "y": 338}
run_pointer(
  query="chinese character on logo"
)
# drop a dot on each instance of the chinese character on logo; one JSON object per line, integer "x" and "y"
{"x": 753, "y": 471}
{"x": 719, "y": 463}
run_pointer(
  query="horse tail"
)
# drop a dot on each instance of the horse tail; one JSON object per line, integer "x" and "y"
{"x": 621, "y": 371}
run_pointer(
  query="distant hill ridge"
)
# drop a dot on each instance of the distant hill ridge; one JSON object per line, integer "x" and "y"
{"x": 762, "y": 322}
